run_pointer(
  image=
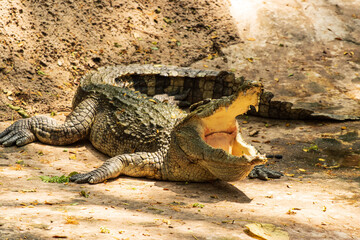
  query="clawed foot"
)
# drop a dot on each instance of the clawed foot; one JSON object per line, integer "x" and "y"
{"x": 263, "y": 173}
{"x": 83, "y": 178}
{"x": 18, "y": 133}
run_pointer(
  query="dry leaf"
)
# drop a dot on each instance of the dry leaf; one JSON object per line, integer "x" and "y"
{"x": 291, "y": 212}
{"x": 71, "y": 220}
{"x": 17, "y": 167}
{"x": 267, "y": 231}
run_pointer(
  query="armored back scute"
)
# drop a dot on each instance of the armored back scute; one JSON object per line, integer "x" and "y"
{"x": 158, "y": 79}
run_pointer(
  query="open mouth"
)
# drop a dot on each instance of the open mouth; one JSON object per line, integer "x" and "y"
{"x": 221, "y": 130}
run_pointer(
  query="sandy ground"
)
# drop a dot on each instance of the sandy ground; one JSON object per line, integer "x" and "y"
{"x": 312, "y": 61}
{"x": 311, "y": 202}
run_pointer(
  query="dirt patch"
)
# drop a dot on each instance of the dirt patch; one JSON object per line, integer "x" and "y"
{"x": 46, "y": 47}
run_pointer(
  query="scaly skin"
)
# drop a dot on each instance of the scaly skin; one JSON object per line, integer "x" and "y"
{"x": 47, "y": 130}
{"x": 157, "y": 79}
{"x": 147, "y": 138}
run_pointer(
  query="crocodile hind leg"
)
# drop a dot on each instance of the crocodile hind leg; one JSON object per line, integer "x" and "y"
{"x": 263, "y": 173}
{"x": 47, "y": 130}
{"x": 175, "y": 98}
{"x": 142, "y": 164}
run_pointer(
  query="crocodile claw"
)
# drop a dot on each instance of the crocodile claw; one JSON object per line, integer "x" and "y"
{"x": 82, "y": 178}
{"x": 263, "y": 173}
{"x": 18, "y": 133}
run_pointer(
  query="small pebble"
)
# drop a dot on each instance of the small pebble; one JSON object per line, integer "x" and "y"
{"x": 277, "y": 156}
{"x": 254, "y": 133}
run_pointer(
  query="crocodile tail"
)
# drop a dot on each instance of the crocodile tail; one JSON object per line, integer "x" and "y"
{"x": 194, "y": 85}
{"x": 278, "y": 109}
{"x": 284, "y": 110}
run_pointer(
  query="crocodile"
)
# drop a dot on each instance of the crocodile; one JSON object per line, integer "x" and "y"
{"x": 148, "y": 138}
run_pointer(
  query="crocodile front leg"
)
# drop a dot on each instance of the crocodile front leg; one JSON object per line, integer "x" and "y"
{"x": 142, "y": 164}
{"x": 49, "y": 131}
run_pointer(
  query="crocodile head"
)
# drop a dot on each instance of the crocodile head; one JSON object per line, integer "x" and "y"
{"x": 210, "y": 135}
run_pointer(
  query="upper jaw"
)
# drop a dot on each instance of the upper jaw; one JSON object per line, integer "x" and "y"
{"x": 219, "y": 115}
{"x": 219, "y": 125}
